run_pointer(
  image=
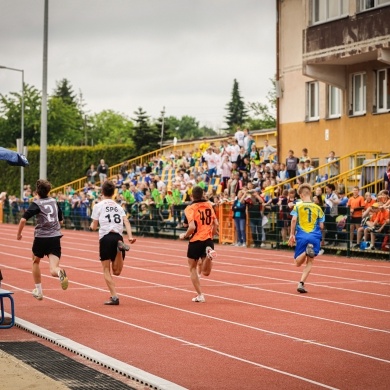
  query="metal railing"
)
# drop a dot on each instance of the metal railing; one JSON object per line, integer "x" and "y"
{"x": 187, "y": 146}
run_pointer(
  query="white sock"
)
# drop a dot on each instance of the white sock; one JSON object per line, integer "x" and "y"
{"x": 39, "y": 287}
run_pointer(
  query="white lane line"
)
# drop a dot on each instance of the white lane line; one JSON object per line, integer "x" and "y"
{"x": 227, "y": 321}
{"x": 145, "y": 378}
{"x": 229, "y": 284}
{"x": 182, "y": 341}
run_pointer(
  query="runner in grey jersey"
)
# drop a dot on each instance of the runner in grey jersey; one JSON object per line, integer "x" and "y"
{"x": 47, "y": 236}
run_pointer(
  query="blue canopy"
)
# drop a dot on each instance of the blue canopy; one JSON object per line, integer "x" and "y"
{"x": 13, "y": 158}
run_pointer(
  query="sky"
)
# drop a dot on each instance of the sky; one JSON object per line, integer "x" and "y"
{"x": 124, "y": 54}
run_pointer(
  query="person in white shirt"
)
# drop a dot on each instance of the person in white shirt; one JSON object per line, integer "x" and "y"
{"x": 212, "y": 160}
{"x": 111, "y": 217}
{"x": 267, "y": 151}
{"x": 234, "y": 151}
{"x": 239, "y": 136}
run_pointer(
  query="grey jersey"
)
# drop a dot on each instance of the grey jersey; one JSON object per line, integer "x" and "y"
{"x": 48, "y": 216}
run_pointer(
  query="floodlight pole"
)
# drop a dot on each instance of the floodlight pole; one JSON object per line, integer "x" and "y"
{"x": 21, "y": 130}
{"x": 162, "y": 127}
{"x": 43, "y": 144}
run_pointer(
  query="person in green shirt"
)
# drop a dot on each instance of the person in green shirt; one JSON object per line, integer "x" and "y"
{"x": 128, "y": 197}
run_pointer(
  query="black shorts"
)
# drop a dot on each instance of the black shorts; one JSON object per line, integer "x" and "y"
{"x": 108, "y": 246}
{"x": 45, "y": 246}
{"x": 197, "y": 249}
{"x": 356, "y": 220}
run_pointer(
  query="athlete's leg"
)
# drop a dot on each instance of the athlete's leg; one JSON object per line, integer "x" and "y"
{"x": 117, "y": 264}
{"x": 54, "y": 262}
{"x": 36, "y": 270}
{"x": 56, "y": 271}
{"x": 192, "y": 264}
{"x": 307, "y": 269}
{"x": 300, "y": 259}
{"x": 107, "y": 277}
{"x": 207, "y": 265}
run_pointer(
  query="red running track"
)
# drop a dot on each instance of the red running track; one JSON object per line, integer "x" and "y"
{"x": 254, "y": 332}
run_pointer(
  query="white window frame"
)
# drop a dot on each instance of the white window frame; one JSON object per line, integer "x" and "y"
{"x": 365, "y": 6}
{"x": 325, "y": 6}
{"x": 382, "y": 92}
{"x": 334, "y": 100}
{"x": 360, "y": 93}
{"x": 312, "y": 101}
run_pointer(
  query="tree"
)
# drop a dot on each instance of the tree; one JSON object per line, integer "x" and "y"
{"x": 64, "y": 123}
{"x": 237, "y": 113}
{"x": 10, "y": 117}
{"x": 146, "y": 136}
{"x": 264, "y": 115}
{"x": 109, "y": 127}
{"x": 64, "y": 90}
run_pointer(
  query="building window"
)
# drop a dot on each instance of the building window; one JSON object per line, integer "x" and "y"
{"x": 382, "y": 91}
{"x": 334, "y": 102}
{"x": 324, "y": 10}
{"x": 312, "y": 99}
{"x": 358, "y": 94}
{"x": 368, "y": 4}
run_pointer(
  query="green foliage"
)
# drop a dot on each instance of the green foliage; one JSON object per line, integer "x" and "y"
{"x": 187, "y": 128}
{"x": 263, "y": 115}
{"x": 64, "y": 91}
{"x": 146, "y": 136}
{"x": 64, "y": 164}
{"x": 237, "y": 113}
{"x": 10, "y": 114}
{"x": 109, "y": 127}
{"x": 64, "y": 123}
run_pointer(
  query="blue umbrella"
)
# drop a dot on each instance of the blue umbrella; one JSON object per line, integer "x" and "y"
{"x": 13, "y": 158}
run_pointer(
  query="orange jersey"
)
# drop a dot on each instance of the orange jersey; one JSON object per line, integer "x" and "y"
{"x": 202, "y": 213}
{"x": 369, "y": 204}
{"x": 355, "y": 203}
{"x": 381, "y": 217}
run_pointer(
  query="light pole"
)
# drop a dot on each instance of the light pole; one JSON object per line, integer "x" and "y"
{"x": 22, "y": 129}
{"x": 162, "y": 127}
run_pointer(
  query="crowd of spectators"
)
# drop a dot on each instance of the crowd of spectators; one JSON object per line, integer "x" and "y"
{"x": 250, "y": 177}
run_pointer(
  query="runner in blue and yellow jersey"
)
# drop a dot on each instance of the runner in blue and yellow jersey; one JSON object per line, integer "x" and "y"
{"x": 306, "y": 226}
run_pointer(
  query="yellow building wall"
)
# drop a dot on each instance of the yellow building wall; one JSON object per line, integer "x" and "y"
{"x": 346, "y": 135}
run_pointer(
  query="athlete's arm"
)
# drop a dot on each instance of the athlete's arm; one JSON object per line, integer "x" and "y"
{"x": 128, "y": 229}
{"x": 189, "y": 232}
{"x": 94, "y": 224}
{"x": 215, "y": 227}
{"x": 291, "y": 240}
{"x": 22, "y": 224}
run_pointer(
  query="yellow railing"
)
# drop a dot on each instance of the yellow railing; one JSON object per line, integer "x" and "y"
{"x": 114, "y": 170}
{"x": 348, "y": 177}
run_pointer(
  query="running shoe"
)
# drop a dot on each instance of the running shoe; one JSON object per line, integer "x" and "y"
{"x": 310, "y": 250}
{"x": 112, "y": 302}
{"x": 199, "y": 298}
{"x": 37, "y": 295}
{"x": 122, "y": 246}
{"x": 321, "y": 252}
{"x": 211, "y": 253}
{"x": 301, "y": 289}
{"x": 63, "y": 279}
